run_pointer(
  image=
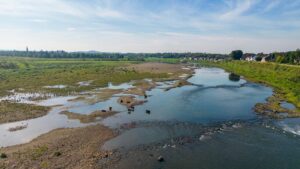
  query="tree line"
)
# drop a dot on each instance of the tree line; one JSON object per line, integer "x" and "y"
{"x": 103, "y": 55}
{"x": 291, "y": 57}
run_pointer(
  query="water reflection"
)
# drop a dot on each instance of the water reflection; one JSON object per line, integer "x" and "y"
{"x": 234, "y": 77}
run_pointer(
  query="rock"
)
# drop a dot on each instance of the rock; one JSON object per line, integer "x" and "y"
{"x": 160, "y": 159}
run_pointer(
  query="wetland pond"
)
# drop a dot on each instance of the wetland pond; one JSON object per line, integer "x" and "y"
{"x": 209, "y": 124}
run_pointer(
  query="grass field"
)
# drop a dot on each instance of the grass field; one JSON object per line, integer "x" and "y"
{"x": 33, "y": 74}
{"x": 285, "y": 79}
{"x": 164, "y": 60}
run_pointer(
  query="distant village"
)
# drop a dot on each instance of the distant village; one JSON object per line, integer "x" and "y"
{"x": 260, "y": 57}
{"x": 292, "y": 57}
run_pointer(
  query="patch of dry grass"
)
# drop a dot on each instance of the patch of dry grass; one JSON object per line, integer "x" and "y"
{"x": 10, "y": 112}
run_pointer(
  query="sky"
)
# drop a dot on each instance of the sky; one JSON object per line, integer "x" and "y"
{"x": 212, "y": 26}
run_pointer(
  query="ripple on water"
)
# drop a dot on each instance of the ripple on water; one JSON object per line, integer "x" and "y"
{"x": 290, "y": 125}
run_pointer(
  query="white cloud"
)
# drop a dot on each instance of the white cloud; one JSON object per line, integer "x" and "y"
{"x": 272, "y": 5}
{"x": 77, "y": 25}
{"x": 237, "y": 9}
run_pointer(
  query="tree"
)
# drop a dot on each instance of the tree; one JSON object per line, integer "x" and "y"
{"x": 258, "y": 58}
{"x": 236, "y": 54}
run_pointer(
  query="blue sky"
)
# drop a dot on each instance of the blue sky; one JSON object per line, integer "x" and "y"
{"x": 215, "y": 26}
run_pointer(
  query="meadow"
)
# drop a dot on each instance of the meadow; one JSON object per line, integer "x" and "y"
{"x": 33, "y": 74}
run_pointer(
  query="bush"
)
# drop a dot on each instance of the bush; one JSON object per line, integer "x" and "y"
{"x": 3, "y": 155}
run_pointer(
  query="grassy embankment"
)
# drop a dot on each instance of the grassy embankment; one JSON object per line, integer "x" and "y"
{"x": 285, "y": 79}
{"x": 32, "y": 74}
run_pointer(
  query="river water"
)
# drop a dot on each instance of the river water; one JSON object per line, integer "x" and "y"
{"x": 209, "y": 124}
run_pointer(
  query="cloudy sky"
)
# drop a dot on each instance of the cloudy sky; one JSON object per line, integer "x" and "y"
{"x": 215, "y": 26}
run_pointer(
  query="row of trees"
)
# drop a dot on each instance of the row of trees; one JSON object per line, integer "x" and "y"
{"x": 292, "y": 57}
{"x": 109, "y": 56}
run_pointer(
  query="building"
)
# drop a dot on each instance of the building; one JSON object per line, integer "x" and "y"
{"x": 249, "y": 57}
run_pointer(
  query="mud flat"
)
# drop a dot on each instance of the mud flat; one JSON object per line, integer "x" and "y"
{"x": 274, "y": 109}
{"x": 140, "y": 87}
{"x": 83, "y": 118}
{"x": 173, "y": 70}
{"x": 97, "y": 96}
{"x": 21, "y": 127}
{"x": 62, "y": 148}
{"x": 179, "y": 83}
{"x": 130, "y": 101}
{"x": 11, "y": 112}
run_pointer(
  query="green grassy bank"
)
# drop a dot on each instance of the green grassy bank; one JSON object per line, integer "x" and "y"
{"x": 285, "y": 79}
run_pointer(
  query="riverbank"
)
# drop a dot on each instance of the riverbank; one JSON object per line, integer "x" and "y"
{"x": 284, "y": 79}
{"x": 62, "y": 148}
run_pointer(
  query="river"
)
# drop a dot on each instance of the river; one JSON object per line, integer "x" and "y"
{"x": 210, "y": 124}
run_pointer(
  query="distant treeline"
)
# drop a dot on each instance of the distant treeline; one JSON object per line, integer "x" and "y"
{"x": 292, "y": 57}
{"x": 107, "y": 56}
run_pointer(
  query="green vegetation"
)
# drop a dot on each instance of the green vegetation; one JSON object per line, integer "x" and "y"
{"x": 10, "y": 112}
{"x": 284, "y": 78}
{"x": 105, "y": 55}
{"x": 164, "y": 60}
{"x": 236, "y": 54}
{"x": 38, "y": 152}
{"x": 31, "y": 74}
{"x": 291, "y": 57}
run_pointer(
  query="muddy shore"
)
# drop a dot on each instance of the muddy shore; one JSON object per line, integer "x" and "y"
{"x": 62, "y": 148}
